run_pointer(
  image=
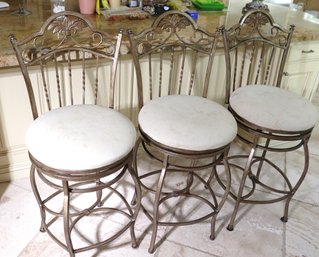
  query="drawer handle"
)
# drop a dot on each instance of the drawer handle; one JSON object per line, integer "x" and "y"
{"x": 285, "y": 73}
{"x": 307, "y": 52}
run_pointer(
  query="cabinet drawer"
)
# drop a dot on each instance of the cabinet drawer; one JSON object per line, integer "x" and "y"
{"x": 303, "y": 51}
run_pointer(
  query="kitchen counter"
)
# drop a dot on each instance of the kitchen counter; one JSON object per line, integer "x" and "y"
{"x": 22, "y": 26}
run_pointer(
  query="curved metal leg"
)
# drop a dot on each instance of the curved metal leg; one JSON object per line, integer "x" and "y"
{"x": 66, "y": 218}
{"x": 226, "y": 192}
{"x": 212, "y": 174}
{"x": 301, "y": 179}
{"x": 262, "y": 158}
{"x": 156, "y": 204}
{"x": 135, "y": 150}
{"x": 99, "y": 194}
{"x": 137, "y": 202}
{"x": 230, "y": 227}
{"x": 37, "y": 197}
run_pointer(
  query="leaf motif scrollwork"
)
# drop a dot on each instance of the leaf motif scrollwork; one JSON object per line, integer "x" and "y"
{"x": 64, "y": 32}
{"x": 258, "y": 25}
{"x": 65, "y": 27}
{"x": 257, "y": 20}
{"x": 174, "y": 23}
{"x": 173, "y": 30}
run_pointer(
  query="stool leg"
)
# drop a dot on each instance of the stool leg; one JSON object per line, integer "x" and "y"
{"x": 212, "y": 174}
{"x": 262, "y": 158}
{"x": 156, "y": 204}
{"x": 99, "y": 194}
{"x": 226, "y": 192}
{"x": 241, "y": 189}
{"x": 137, "y": 202}
{"x": 37, "y": 197}
{"x": 66, "y": 217}
{"x": 301, "y": 179}
{"x": 135, "y": 150}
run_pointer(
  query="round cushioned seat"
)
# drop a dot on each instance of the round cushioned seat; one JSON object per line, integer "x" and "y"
{"x": 187, "y": 122}
{"x": 80, "y": 137}
{"x": 273, "y": 108}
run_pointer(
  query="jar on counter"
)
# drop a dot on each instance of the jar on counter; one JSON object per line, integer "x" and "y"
{"x": 57, "y": 6}
{"x": 87, "y": 6}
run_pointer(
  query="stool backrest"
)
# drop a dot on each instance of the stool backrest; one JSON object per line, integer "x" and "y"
{"x": 173, "y": 56}
{"x": 256, "y": 51}
{"x": 68, "y": 62}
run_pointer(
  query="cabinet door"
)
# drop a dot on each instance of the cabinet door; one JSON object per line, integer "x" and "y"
{"x": 15, "y": 117}
{"x": 301, "y": 73}
{"x": 302, "y": 78}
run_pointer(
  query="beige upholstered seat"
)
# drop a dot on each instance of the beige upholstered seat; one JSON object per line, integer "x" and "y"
{"x": 179, "y": 127}
{"x": 187, "y": 123}
{"x": 78, "y": 143}
{"x": 273, "y": 108}
{"x": 92, "y": 136}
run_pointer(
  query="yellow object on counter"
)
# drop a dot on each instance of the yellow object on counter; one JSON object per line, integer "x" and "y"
{"x": 101, "y": 4}
{"x": 177, "y": 5}
{"x": 105, "y": 4}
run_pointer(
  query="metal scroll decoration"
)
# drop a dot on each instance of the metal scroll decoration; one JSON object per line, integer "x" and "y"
{"x": 259, "y": 25}
{"x": 174, "y": 29}
{"x": 66, "y": 27}
{"x": 66, "y": 31}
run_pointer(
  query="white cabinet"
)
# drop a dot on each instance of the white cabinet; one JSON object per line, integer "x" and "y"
{"x": 15, "y": 117}
{"x": 301, "y": 74}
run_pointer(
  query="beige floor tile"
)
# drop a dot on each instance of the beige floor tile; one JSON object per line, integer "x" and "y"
{"x": 308, "y": 190}
{"x": 254, "y": 234}
{"x": 42, "y": 245}
{"x": 302, "y": 237}
{"x": 172, "y": 249}
{"x": 19, "y": 219}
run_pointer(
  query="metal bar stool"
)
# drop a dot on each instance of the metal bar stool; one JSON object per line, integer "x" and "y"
{"x": 78, "y": 144}
{"x": 269, "y": 118}
{"x": 179, "y": 127}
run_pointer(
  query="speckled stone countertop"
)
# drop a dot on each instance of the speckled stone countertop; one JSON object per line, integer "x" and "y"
{"x": 22, "y": 26}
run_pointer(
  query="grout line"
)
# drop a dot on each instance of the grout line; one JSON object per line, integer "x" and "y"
{"x": 299, "y": 201}
{"x": 196, "y": 249}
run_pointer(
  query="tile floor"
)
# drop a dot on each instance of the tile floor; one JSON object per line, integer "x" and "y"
{"x": 259, "y": 231}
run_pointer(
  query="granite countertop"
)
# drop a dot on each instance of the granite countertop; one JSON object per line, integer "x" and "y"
{"x": 22, "y": 26}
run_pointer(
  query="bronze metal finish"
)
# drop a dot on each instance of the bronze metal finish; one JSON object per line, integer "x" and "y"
{"x": 256, "y": 51}
{"x": 169, "y": 59}
{"x": 65, "y": 43}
